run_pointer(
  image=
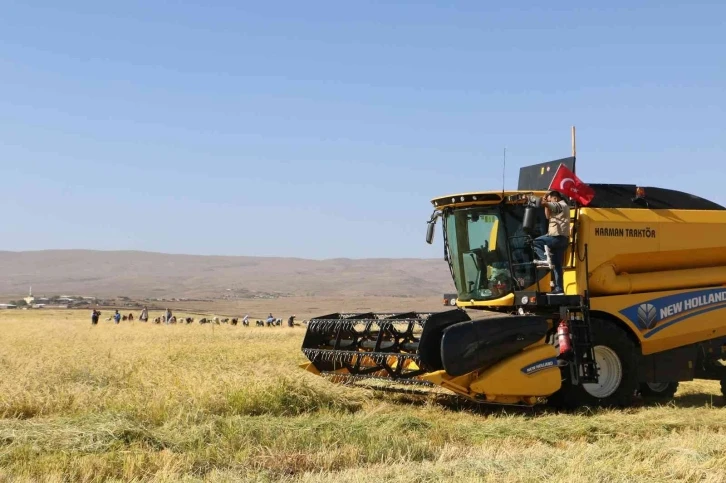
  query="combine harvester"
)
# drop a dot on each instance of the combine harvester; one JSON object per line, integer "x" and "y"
{"x": 644, "y": 304}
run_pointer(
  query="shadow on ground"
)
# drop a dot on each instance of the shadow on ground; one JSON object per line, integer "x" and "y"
{"x": 458, "y": 404}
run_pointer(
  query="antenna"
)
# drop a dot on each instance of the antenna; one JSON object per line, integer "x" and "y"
{"x": 574, "y": 149}
{"x": 504, "y": 169}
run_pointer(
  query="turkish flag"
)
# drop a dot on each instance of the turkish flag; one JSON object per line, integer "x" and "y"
{"x": 570, "y": 185}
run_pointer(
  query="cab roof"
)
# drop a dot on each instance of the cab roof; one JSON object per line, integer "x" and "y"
{"x": 477, "y": 198}
{"x": 606, "y": 196}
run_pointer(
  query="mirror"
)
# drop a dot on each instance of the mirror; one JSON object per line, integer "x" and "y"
{"x": 431, "y": 227}
{"x": 528, "y": 220}
{"x": 430, "y": 231}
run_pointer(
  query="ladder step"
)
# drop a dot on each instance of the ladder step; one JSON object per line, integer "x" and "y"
{"x": 584, "y": 369}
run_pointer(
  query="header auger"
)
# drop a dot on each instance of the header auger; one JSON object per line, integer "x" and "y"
{"x": 644, "y": 302}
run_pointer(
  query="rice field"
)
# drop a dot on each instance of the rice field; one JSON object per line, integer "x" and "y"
{"x": 145, "y": 402}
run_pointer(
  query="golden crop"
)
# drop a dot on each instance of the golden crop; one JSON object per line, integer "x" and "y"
{"x": 145, "y": 402}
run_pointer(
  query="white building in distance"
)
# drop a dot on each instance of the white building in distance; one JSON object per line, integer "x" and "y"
{"x": 30, "y": 299}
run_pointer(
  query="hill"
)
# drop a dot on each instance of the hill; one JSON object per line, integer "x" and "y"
{"x": 144, "y": 274}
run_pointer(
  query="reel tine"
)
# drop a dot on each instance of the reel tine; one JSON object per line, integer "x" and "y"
{"x": 370, "y": 344}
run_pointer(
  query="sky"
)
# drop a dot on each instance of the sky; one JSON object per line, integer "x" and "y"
{"x": 322, "y": 129}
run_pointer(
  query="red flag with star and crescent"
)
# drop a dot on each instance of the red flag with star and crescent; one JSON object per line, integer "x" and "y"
{"x": 571, "y": 186}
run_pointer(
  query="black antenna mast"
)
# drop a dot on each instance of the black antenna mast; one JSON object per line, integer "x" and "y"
{"x": 574, "y": 150}
{"x": 504, "y": 169}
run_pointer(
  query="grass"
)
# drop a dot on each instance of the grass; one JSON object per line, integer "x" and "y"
{"x": 143, "y": 402}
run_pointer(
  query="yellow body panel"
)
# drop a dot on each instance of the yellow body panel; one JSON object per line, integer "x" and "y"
{"x": 671, "y": 261}
{"x": 459, "y": 385}
{"x": 532, "y": 372}
{"x": 506, "y": 301}
{"x": 675, "y": 234}
{"x": 523, "y": 377}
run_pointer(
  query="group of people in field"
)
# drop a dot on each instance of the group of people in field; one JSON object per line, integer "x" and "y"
{"x": 169, "y": 318}
{"x": 116, "y": 317}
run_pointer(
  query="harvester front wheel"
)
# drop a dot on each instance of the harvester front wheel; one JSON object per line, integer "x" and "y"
{"x": 658, "y": 391}
{"x": 615, "y": 355}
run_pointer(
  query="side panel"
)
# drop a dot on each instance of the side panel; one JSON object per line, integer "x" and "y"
{"x": 533, "y": 372}
{"x": 569, "y": 279}
{"x": 669, "y": 319}
{"x": 640, "y": 247}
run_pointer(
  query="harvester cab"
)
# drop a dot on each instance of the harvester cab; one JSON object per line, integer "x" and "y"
{"x": 630, "y": 278}
{"x": 488, "y": 240}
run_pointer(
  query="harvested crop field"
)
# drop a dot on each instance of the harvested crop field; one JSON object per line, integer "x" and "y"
{"x": 145, "y": 402}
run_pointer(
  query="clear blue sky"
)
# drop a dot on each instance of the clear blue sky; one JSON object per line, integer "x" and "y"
{"x": 322, "y": 129}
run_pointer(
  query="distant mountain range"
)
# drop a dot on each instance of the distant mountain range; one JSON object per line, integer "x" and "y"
{"x": 150, "y": 275}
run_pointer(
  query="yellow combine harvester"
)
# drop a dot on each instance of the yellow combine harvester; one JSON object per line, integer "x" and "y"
{"x": 644, "y": 304}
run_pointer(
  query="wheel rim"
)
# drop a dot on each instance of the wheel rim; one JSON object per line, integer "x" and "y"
{"x": 611, "y": 373}
{"x": 657, "y": 386}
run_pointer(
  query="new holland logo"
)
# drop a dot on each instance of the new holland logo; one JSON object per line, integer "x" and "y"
{"x": 660, "y": 313}
{"x": 647, "y": 315}
{"x": 540, "y": 366}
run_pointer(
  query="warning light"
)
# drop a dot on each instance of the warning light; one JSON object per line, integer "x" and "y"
{"x": 639, "y": 192}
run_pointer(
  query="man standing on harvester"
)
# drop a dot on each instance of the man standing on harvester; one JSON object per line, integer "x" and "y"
{"x": 557, "y": 238}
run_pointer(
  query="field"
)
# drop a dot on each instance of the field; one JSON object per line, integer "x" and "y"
{"x": 144, "y": 402}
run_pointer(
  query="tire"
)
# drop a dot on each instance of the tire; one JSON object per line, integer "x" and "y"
{"x": 723, "y": 387}
{"x": 616, "y": 356}
{"x": 658, "y": 391}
